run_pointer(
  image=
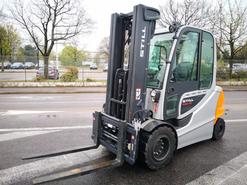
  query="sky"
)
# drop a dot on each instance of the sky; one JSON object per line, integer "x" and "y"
{"x": 100, "y": 12}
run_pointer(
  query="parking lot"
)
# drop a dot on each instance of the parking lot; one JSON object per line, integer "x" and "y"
{"x": 36, "y": 124}
{"x": 13, "y": 75}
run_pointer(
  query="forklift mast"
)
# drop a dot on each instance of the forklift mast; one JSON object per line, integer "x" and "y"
{"x": 126, "y": 88}
{"x": 153, "y": 110}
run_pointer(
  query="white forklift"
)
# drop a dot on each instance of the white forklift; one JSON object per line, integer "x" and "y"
{"x": 162, "y": 98}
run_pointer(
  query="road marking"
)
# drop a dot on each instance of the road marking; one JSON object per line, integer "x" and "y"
{"x": 19, "y": 135}
{"x": 53, "y": 102}
{"x": 20, "y": 112}
{"x": 22, "y": 97}
{"x": 83, "y": 103}
{"x": 23, "y": 174}
{"x": 74, "y": 127}
{"x": 224, "y": 172}
{"x": 44, "y": 128}
{"x": 236, "y": 120}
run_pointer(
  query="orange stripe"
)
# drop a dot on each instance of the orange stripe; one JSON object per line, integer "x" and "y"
{"x": 220, "y": 106}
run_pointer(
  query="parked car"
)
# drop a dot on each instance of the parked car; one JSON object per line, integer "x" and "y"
{"x": 105, "y": 69}
{"x": 17, "y": 65}
{"x": 93, "y": 66}
{"x": 239, "y": 67}
{"x": 6, "y": 65}
{"x": 29, "y": 65}
{"x": 53, "y": 73}
{"x": 86, "y": 63}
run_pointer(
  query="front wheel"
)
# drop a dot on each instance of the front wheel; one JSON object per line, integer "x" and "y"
{"x": 159, "y": 147}
{"x": 219, "y": 129}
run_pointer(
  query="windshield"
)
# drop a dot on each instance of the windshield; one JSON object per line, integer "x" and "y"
{"x": 160, "y": 47}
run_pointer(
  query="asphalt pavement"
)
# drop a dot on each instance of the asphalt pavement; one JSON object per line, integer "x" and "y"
{"x": 51, "y": 90}
{"x": 32, "y": 124}
{"x": 68, "y": 90}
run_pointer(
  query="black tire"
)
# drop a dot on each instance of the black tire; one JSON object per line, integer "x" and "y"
{"x": 158, "y": 147}
{"x": 219, "y": 129}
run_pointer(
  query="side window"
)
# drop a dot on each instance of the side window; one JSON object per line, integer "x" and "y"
{"x": 207, "y": 61}
{"x": 185, "y": 65}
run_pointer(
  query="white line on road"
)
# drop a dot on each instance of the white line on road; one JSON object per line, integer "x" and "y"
{"x": 223, "y": 173}
{"x": 19, "y": 135}
{"x": 53, "y": 102}
{"x": 24, "y": 173}
{"x": 75, "y": 127}
{"x": 20, "y": 112}
{"x": 44, "y": 128}
{"x": 236, "y": 120}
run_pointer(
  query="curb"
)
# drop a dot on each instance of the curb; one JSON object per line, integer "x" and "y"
{"x": 52, "y": 90}
{"x": 59, "y": 92}
{"x": 232, "y": 90}
{"x": 31, "y": 91}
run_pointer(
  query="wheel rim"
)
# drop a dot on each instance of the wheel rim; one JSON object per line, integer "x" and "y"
{"x": 161, "y": 149}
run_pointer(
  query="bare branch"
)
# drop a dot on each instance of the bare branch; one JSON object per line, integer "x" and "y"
{"x": 230, "y": 26}
{"x": 49, "y": 21}
{"x": 192, "y": 12}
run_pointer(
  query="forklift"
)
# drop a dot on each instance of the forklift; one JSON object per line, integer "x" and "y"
{"x": 161, "y": 94}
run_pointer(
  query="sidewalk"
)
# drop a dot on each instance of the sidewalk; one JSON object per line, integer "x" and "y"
{"x": 234, "y": 87}
{"x": 231, "y": 173}
{"x": 52, "y": 90}
{"x": 59, "y": 90}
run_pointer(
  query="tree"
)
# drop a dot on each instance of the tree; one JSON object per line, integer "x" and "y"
{"x": 104, "y": 48}
{"x": 4, "y": 46}
{"x": 72, "y": 56}
{"x": 242, "y": 54}
{"x": 30, "y": 53}
{"x": 50, "y": 21}
{"x": 9, "y": 42}
{"x": 20, "y": 57}
{"x": 229, "y": 25}
{"x": 187, "y": 12}
{"x": 2, "y": 14}
{"x": 13, "y": 40}
{"x": 96, "y": 59}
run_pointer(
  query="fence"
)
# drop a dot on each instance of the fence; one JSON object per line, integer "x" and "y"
{"x": 28, "y": 68}
{"x": 235, "y": 69}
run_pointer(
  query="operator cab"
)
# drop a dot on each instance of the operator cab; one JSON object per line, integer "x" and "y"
{"x": 180, "y": 72}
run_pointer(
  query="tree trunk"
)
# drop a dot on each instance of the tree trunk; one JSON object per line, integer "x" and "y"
{"x": 2, "y": 67}
{"x": 230, "y": 66}
{"x": 37, "y": 59}
{"x": 1, "y": 59}
{"x": 231, "y": 58}
{"x": 46, "y": 65}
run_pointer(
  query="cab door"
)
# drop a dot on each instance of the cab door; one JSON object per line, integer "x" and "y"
{"x": 183, "y": 75}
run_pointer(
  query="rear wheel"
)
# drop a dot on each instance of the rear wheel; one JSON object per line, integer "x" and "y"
{"x": 219, "y": 129}
{"x": 158, "y": 147}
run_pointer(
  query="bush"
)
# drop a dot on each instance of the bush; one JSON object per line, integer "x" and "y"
{"x": 90, "y": 80}
{"x": 39, "y": 79}
{"x": 70, "y": 75}
{"x": 240, "y": 75}
{"x": 223, "y": 73}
